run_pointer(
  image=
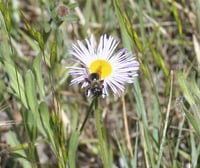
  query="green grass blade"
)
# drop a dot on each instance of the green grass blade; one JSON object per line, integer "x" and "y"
{"x": 178, "y": 20}
{"x": 159, "y": 60}
{"x": 16, "y": 81}
{"x": 185, "y": 89}
{"x": 30, "y": 90}
{"x": 73, "y": 144}
{"x": 53, "y": 55}
{"x": 35, "y": 34}
{"x": 163, "y": 140}
{"x": 126, "y": 25}
{"x": 45, "y": 120}
{"x": 122, "y": 154}
{"x": 148, "y": 149}
{"x": 7, "y": 16}
{"x": 38, "y": 74}
{"x": 194, "y": 121}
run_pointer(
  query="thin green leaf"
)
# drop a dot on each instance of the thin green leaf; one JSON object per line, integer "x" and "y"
{"x": 36, "y": 34}
{"x": 7, "y": 17}
{"x": 2, "y": 6}
{"x": 45, "y": 120}
{"x": 178, "y": 20}
{"x": 73, "y": 144}
{"x": 33, "y": 44}
{"x": 125, "y": 24}
{"x": 194, "y": 121}
{"x": 185, "y": 89}
{"x": 31, "y": 91}
{"x": 38, "y": 73}
{"x": 159, "y": 60}
{"x": 53, "y": 55}
{"x": 144, "y": 125}
{"x": 16, "y": 81}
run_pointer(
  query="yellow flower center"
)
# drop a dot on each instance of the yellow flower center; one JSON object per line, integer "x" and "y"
{"x": 101, "y": 67}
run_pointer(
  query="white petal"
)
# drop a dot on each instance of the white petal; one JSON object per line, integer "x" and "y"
{"x": 124, "y": 64}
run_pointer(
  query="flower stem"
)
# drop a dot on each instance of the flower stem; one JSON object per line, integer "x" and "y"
{"x": 102, "y": 143}
{"x": 87, "y": 115}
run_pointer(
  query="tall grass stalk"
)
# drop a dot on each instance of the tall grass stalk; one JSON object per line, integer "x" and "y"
{"x": 127, "y": 133}
{"x": 165, "y": 124}
{"x": 101, "y": 138}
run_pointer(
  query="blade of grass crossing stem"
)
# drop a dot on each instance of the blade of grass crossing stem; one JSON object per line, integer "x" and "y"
{"x": 148, "y": 149}
{"x": 13, "y": 142}
{"x": 165, "y": 125}
{"x": 73, "y": 144}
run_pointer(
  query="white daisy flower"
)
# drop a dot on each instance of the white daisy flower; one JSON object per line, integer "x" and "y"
{"x": 101, "y": 68}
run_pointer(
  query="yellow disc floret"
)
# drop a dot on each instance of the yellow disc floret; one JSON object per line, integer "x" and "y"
{"x": 101, "y": 67}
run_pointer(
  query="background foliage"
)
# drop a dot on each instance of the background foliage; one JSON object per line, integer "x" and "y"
{"x": 156, "y": 122}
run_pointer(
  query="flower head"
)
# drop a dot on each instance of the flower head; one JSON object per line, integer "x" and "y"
{"x": 101, "y": 68}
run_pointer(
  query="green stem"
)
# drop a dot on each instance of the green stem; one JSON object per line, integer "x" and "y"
{"x": 165, "y": 125}
{"x": 100, "y": 135}
{"x": 87, "y": 115}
